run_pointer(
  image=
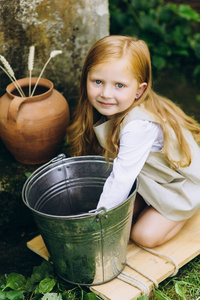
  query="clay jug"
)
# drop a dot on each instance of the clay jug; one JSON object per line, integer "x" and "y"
{"x": 33, "y": 128}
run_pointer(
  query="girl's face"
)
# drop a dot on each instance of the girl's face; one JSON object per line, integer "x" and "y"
{"x": 112, "y": 88}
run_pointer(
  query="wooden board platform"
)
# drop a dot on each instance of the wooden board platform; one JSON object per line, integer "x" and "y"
{"x": 183, "y": 248}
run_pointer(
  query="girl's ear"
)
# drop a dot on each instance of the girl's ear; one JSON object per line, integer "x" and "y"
{"x": 142, "y": 87}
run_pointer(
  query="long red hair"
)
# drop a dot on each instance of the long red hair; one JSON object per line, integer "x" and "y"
{"x": 81, "y": 134}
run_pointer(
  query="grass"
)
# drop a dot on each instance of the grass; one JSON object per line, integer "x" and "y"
{"x": 185, "y": 286}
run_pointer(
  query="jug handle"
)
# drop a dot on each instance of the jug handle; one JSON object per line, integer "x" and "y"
{"x": 14, "y": 108}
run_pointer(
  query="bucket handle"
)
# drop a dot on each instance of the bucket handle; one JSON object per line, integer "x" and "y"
{"x": 57, "y": 158}
{"x": 99, "y": 213}
{"x": 53, "y": 160}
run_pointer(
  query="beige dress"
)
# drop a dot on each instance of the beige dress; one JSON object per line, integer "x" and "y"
{"x": 175, "y": 194}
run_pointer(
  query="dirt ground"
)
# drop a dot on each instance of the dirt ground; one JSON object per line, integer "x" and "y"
{"x": 16, "y": 225}
{"x": 14, "y": 254}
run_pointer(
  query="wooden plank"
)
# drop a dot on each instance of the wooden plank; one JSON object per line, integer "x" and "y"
{"x": 183, "y": 247}
{"x": 37, "y": 245}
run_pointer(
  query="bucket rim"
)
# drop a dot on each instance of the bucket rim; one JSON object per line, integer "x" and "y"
{"x": 102, "y": 211}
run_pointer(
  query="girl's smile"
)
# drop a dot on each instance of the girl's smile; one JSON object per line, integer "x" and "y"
{"x": 104, "y": 104}
{"x": 111, "y": 87}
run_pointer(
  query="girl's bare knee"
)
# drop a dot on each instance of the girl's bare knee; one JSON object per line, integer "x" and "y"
{"x": 147, "y": 236}
{"x": 143, "y": 237}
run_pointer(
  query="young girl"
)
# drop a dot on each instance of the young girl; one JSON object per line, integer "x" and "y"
{"x": 121, "y": 117}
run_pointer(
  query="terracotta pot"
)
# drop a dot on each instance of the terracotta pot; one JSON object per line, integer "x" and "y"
{"x": 33, "y": 128}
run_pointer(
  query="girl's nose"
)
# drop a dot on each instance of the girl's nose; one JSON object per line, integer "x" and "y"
{"x": 107, "y": 91}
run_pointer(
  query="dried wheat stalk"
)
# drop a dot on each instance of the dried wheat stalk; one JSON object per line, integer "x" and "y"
{"x": 30, "y": 65}
{"x": 10, "y": 73}
{"x": 52, "y": 54}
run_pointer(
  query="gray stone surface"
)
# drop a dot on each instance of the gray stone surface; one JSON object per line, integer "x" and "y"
{"x": 68, "y": 25}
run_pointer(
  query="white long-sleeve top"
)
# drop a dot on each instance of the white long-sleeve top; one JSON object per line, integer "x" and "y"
{"x": 137, "y": 139}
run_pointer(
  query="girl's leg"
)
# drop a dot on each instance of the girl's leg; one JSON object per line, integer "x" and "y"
{"x": 153, "y": 229}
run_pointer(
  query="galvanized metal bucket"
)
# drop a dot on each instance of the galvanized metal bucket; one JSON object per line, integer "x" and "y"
{"x": 87, "y": 246}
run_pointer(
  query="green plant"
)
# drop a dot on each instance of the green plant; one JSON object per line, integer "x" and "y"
{"x": 171, "y": 31}
{"x": 184, "y": 286}
{"x": 42, "y": 284}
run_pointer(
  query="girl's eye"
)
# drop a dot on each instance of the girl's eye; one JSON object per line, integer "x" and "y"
{"x": 120, "y": 85}
{"x": 98, "y": 81}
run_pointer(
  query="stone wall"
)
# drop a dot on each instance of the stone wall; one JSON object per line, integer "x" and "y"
{"x": 68, "y": 25}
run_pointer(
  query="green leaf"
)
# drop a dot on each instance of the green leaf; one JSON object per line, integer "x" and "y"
{"x": 27, "y": 174}
{"x": 181, "y": 52}
{"x": 45, "y": 270}
{"x": 90, "y": 296}
{"x": 179, "y": 291}
{"x": 69, "y": 295}
{"x": 37, "y": 292}
{"x": 181, "y": 282}
{"x": 195, "y": 44}
{"x": 2, "y": 295}
{"x": 159, "y": 62}
{"x": 12, "y": 295}
{"x": 196, "y": 72}
{"x": 15, "y": 295}
{"x": 185, "y": 11}
{"x": 148, "y": 23}
{"x": 162, "y": 50}
{"x": 15, "y": 281}
{"x": 142, "y": 298}
{"x": 36, "y": 277}
{"x": 160, "y": 295}
{"x": 2, "y": 281}
{"x": 30, "y": 285}
{"x": 52, "y": 296}
{"x": 198, "y": 97}
{"x": 46, "y": 285}
{"x": 165, "y": 14}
